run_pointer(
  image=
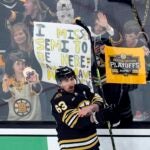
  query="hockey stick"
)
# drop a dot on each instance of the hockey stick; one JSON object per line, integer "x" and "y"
{"x": 81, "y": 24}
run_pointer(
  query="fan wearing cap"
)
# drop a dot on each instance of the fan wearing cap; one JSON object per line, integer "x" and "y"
{"x": 73, "y": 107}
{"x": 21, "y": 88}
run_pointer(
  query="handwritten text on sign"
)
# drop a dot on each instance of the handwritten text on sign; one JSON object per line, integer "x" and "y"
{"x": 62, "y": 45}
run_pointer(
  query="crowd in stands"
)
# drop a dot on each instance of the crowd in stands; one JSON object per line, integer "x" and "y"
{"x": 113, "y": 23}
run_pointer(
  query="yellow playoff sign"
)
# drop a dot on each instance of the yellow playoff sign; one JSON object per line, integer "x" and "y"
{"x": 125, "y": 65}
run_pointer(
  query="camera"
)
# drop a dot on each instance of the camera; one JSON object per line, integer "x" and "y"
{"x": 28, "y": 72}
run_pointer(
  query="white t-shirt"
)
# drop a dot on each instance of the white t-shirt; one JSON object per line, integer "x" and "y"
{"x": 24, "y": 104}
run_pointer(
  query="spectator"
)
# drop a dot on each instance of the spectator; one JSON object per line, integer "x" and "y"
{"x": 65, "y": 11}
{"x": 21, "y": 91}
{"x": 103, "y": 34}
{"x": 21, "y": 41}
{"x": 118, "y": 17}
{"x": 132, "y": 39}
{"x": 35, "y": 10}
{"x": 115, "y": 94}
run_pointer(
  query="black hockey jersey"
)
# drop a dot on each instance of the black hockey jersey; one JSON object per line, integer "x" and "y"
{"x": 75, "y": 133}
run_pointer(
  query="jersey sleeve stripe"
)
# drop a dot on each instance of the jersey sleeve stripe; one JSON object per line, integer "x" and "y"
{"x": 80, "y": 145}
{"x": 78, "y": 140}
{"x": 66, "y": 114}
{"x": 72, "y": 120}
{"x": 97, "y": 98}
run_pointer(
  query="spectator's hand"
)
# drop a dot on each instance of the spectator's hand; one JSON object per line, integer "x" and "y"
{"x": 102, "y": 47}
{"x": 146, "y": 51}
{"x": 102, "y": 20}
{"x": 5, "y": 83}
{"x": 13, "y": 16}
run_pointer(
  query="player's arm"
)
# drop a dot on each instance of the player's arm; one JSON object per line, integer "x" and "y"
{"x": 96, "y": 103}
{"x": 64, "y": 113}
{"x": 95, "y": 106}
{"x": 93, "y": 97}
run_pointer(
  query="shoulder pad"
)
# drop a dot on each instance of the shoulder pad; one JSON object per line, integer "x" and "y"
{"x": 57, "y": 95}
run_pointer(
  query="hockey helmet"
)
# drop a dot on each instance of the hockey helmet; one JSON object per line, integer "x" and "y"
{"x": 63, "y": 73}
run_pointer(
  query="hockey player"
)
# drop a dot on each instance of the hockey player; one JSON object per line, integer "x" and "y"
{"x": 73, "y": 107}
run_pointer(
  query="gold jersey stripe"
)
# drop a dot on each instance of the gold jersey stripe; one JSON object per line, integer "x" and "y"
{"x": 78, "y": 140}
{"x": 97, "y": 100}
{"x": 72, "y": 119}
{"x": 66, "y": 113}
{"x": 70, "y": 116}
{"x": 83, "y": 147}
{"x": 96, "y": 96}
{"x": 74, "y": 122}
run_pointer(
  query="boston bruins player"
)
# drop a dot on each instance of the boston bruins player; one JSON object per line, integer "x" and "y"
{"x": 72, "y": 107}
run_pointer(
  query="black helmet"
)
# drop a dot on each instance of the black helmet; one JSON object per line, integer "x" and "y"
{"x": 64, "y": 72}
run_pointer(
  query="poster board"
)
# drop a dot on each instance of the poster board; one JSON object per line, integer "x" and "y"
{"x": 58, "y": 45}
